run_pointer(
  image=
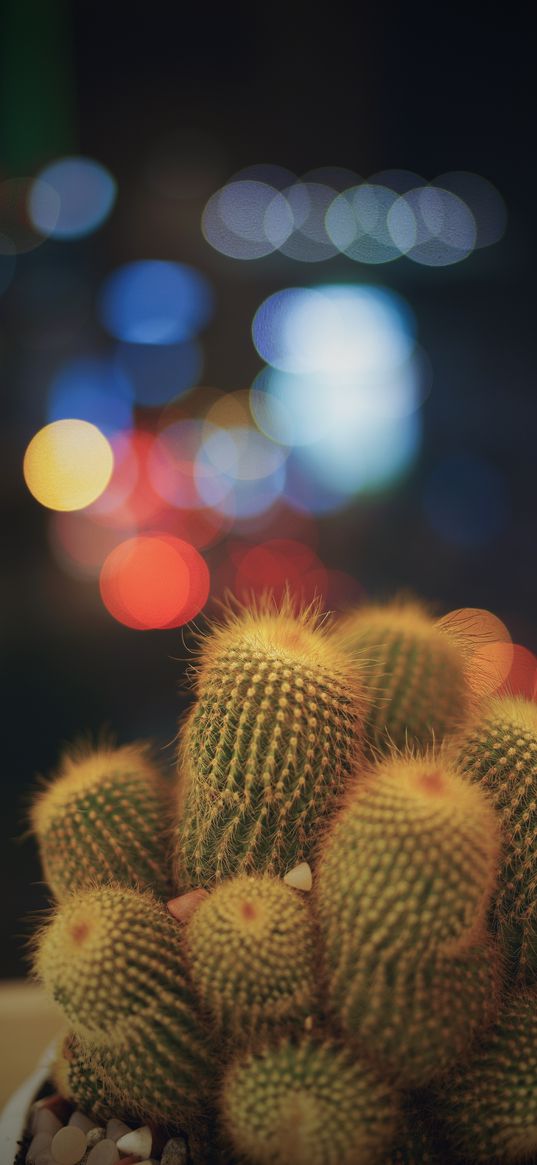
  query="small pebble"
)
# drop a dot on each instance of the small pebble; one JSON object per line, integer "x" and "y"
{"x": 184, "y": 906}
{"x": 300, "y": 877}
{"x": 175, "y": 1152}
{"x": 105, "y": 1153}
{"x": 38, "y": 1144}
{"x": 68, "y": 1145}
{"x": 116, "y": 1129}
{"x": 139, "y": 1141}
{"x": 81, "y": 1121}
{"x": 46, "y": 1121}
{"x": 94, "y": 1136}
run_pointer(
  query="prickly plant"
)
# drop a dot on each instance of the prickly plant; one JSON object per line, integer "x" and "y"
{"x": 267, "y": 748}
{"x": 499, "y": 752}
{"x": 307, "y": 1104}
{"x": 112, "y": 958}
{"x": 490, "y": 1102}
{"x": 79, "y": 1076}
{"x": 251, "y": 952}
{"x": 104, "y": 818}
{"x": 417, "y": 1142}
{"x": 415, "y": 673}
{"x": 408, "y": 865}
{"x": 403, "y": 886}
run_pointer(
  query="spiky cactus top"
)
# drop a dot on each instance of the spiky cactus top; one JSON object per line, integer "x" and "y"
{"x": 271, "y": 1024}
{"x": 268, "y": 746}
{"x": 104, "y": 817}
{"x": 416, "y": 673}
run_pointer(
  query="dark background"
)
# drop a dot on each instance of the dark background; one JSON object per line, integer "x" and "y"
{"x": 429, "y": 90}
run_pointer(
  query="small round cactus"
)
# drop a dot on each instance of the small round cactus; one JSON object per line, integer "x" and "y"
{"x": 251, "y": 953}
{"x": 416, "y": 673}
{"x": 307, "y": 1104}
{"x": 104, "y": 817}
{"x": 112, "y": 958}
{"x": 409, "y": 864}
{"x": 268, "y": 746}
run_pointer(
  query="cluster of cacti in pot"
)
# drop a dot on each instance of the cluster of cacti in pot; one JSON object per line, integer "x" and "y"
{"x": 346, "y": 973}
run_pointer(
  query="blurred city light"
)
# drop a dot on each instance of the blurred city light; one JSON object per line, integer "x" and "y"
{"x": 335, "y": 328}
{"x": 357, "y": 222}
{"x": 484, "y": 201}
{"x": 432, "y": 226}
{"x": 486, "y": 644}
{"x": 86, "y": 192}
{"x": 18, "y": 232}
{"x": 247, "y": 220}
{"x": 68, "y": 464}
{"x": 80, "y": 545}
{"x": 154, "y": 581}
{"x": 93, "y": 389}
{"x": 466, "y": 500}
{"x": 309, "y": 242}
{"x": 155, "y": 302}
{"x": 129, "y": 499}
{"x": 239, "y": 472}
{"x": 159, "y": 373}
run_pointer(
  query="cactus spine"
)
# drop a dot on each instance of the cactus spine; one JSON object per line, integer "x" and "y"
{"x": 104, "y": 818}
{"x": 79, "y": 1077}
{"x": 252, "y": 955}
{"x": 415, "y": 674}
{"x": 403, "y": 886}
{"x": 268, "y": 746}
{"x": 112, "y": 959}
{"x": 490, "y": 1107}
{"x": 307, "y": 1104}
{"x": 499, "y": 752}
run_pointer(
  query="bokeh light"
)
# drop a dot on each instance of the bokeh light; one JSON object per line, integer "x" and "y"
{"x": 309, "y": 241}
{"x": 154, "y": 581}
{"x": 68, "y": 464}
{"x": 522, "y": 677}
{"x": 486, "y": 644}
{"x": 17, "y": 231}
{"x": 247, "y": 219}
{"x": 80, "y": 545}
{"x": 239, "y": 472}
{"x": 93, "y": 389}
{"x": 357, "y": 223}
{"x": 466, "y": 500}
{"x": 129, "y": 499}
{"x": 86, "y": 192}
{"x": 159, "y": 373}
{"x": 155, "y": 302}
{"x": 334, "y": 328}
{"x": 432, "y": 226}
{"x": 484, "y": 201}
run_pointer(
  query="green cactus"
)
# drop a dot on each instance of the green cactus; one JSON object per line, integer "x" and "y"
{"x": 490, "y": 1105}
{"x": 252, "y": 956}
{"x": 268, "y": 746}
{"x": 499, "y": 752}
{"x": 403, "y": 886}
{"x": 409, "y": 864}
{"x": 104, "y": 818}
{"x": 416, "y": 673}
{"x": 78, "y": 1075}
{"x": 307, "y": 1104}
{"x": 112, "y": 958}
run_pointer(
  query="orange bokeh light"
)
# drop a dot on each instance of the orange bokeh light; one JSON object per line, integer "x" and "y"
{"x": 154, "y": 581}
{"x": 522, "y": 677}
{"x": 487, "y": 645}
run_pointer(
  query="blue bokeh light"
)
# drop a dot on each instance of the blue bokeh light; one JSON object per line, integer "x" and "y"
{"x": 87, "y": 193}
{"x": 155, "y": 302}
{"x": 466, "y": 500}
{"x": 160, "y": 372}
{"x": 92, "y": 388}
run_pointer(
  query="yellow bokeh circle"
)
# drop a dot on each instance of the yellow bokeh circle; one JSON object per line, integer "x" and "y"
{"x": 68, "y": 464}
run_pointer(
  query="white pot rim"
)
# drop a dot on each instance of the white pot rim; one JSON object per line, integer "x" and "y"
{"x": 14, "y": 1117}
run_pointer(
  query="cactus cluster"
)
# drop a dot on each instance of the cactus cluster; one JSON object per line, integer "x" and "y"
{"x": 388, "y": 1017}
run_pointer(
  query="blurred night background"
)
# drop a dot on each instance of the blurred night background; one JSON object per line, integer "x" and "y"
{"x": 284, "y": 264}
